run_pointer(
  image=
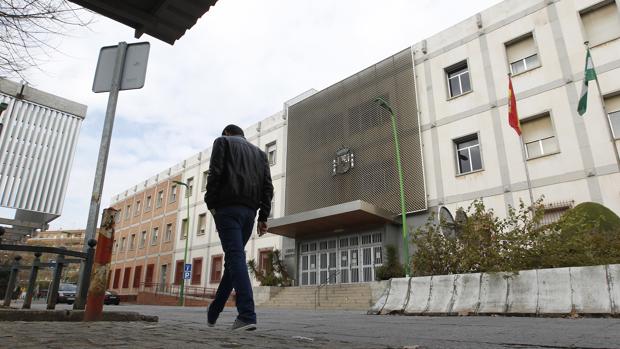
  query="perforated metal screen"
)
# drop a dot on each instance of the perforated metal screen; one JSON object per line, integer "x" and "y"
{"x": 343, "y": 116}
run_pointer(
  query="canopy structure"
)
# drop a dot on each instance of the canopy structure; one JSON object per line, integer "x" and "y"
{"x": 166, "y": 20}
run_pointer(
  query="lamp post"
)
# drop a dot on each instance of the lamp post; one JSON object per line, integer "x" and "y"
{"x": 186, "y": 232}
{"x": 383, "y": 104}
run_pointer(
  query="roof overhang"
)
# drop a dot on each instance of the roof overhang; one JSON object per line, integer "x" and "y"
{"x": 166, "y": 20}
{"x": 332, "y": 220}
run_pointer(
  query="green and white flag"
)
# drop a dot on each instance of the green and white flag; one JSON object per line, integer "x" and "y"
{"x": 589, "y": 75}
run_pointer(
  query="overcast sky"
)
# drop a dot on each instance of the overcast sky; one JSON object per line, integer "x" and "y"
{"x": 241, "y": 61}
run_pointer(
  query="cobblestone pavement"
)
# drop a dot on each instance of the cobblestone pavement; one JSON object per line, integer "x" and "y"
{"x": 186, "y": 328}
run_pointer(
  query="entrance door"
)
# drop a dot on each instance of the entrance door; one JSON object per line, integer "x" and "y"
{"x": 163, "y": 276}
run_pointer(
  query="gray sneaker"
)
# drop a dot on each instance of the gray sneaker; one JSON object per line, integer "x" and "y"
{"x": 239, "y": 325}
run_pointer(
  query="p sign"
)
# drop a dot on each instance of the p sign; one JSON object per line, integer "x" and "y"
{"x": 187, "y": 275}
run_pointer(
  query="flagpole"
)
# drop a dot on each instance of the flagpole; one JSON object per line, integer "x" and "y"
{"x": 605, "y": 114}
{"x": 527, "y": 171}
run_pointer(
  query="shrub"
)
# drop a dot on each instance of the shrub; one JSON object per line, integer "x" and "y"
{"x": 274, "y": 274}
{"x": 392, "y": 268}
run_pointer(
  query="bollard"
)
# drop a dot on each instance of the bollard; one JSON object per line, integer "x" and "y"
{"x": 80, "y": 299}
{"x": 52, "y": 291}
{"x": 32, "y": 281}
{"x": 101, "y": 266}
{"x": 8, "y": 295}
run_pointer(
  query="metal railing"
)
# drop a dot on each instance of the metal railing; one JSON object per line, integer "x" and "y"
{"x": 317, "y": 293}
{"x": 58, "y": 265}
{"x": 175, "y": 290}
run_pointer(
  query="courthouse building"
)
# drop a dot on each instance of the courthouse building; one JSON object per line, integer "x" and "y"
{"x": 336, "y": 203}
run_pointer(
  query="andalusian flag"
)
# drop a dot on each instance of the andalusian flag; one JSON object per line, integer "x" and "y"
{"x": 589, "y": 75}
{"x": 513, "y": 117}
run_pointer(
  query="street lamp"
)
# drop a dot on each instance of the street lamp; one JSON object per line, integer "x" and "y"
{"x": 383, "y": 104}
{"x": 186, "y": 232}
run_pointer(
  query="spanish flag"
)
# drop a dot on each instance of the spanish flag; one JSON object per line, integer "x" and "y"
{"x": 513, "y": 117}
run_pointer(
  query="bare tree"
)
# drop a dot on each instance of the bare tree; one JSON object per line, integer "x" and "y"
{"x": 28, "y": 29}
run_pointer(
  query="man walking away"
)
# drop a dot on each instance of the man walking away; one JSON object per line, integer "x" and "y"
{"x": 238, "y": 184}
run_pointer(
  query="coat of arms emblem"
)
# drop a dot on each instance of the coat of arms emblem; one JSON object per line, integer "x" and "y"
{"x": 343, "y": 162}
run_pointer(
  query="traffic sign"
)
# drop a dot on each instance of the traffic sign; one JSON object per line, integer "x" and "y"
{"x": 188, "y": 267}
{"x": 187, "y": 275}
{"x": 134, "y": 67}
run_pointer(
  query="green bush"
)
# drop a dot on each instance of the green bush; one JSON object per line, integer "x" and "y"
{"x": 588, "y": 234}
{"x": 392, "y": 268}
{"x": 275, "y": 274}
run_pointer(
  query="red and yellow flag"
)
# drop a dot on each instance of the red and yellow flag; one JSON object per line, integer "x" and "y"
{"x": 513, "y": 117}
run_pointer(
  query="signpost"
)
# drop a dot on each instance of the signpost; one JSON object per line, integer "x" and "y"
{"x": 187, "y": 273}
{"x": 121, "y": 67}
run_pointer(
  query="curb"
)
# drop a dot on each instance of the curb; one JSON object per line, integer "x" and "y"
{"x": 69, "y": 315}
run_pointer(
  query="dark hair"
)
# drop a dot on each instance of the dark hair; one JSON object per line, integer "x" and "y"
{"x": 233, "y": 130}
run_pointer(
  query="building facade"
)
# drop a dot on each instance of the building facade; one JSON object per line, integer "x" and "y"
{"x": 336, "y": 201}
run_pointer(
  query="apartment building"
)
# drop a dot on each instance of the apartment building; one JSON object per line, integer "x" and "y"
{"x": 336, "y": 203}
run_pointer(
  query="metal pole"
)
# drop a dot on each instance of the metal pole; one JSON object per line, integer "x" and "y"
{"x": 32, "y": 281}
{"x": 10, "y": 287}
{"x": 102, "y": 161}
{"x": 103, "y": 257}
{"x": 405, "y": 232}
{"x": 182, "y": 292}
{"x": 605, "y": 115}
{"x": 527, "y": 171}
{"x": 87, "y": 270}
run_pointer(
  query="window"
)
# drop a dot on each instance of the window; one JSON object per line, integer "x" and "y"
{"x": 522, "y": 54}
{"x": 468, "y": 157}
{"x": 601, "y": 22}
{"x": 149, "y": 202}
{"x": 178, "y": 272}
{"x": 612, "y": 104}
{"x": 123, "y": 244}
{"x": 142, "y": 239}
{"x": 127, "y": 211}
{"x": 264, "y": 262}
{"x": 458, "y": 79}
{"x": 115, "y": 249}
{"x": 202, "y": 220}
{"x": 190, "y": 187}
{"x": 196, "y": 271}
{"x": 205, "y": 176}
{"x": 273, "y": 207}
{"x": 554, "y": 211}
{"x": 216, "y": 269}
{"x": 126, "y": 276}
{"x": 183, "y": 234}
{"x": 173, "y": 193}
{"x": 132, "y": 242}
{"x": 168, "y": 234}
{"x": 148, "y": 278}
{"x": 539, "y": 137}
{"x": 270, "y": 149}
{"x": 137, "y": 209}
{"x": 154, "y": 235}
{"x": 137, "y": 275}
{"x": 160, "y": 198}
{"x": 117, "y": 278}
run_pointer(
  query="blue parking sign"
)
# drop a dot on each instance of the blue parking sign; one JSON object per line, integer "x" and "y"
{"x": 188, "y": 267}
{"x": 187, "y": 275}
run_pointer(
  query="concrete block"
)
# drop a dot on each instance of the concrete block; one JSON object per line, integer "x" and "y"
{"x": 382, "y": 299}
{"x": 419, "y": 294}
{"x": 613, "y": 273}
{"x": 467, "y": 294}
{"x": 442, "y": 294}
{"x": 590, "y": 290}
{"x": 397, "y": 298}
{"x": 554, "y": 291}
{"x": 493, "y": 291}
{"x": 523, "y": 294}
{"x": 262, "y": 294}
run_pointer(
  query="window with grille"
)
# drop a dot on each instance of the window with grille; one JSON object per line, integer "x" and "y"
{"x": 271, "y": 149}
{"x": 137, "y": 275}
{"x": 168, "y": 234}
{"x": 126, "y": 276}
{"x": 173, "y": 193}
{"x": 612, "y": 104}
{"x": 160, "y": 198}
{"x": 178, "y": 272}
{"x": 601, "y": 22}
{"x": 522, "y": 54}
{"x": 148, "y": 278}
{"x": 196, "y": 271}
{"x": 183, "y": 232}
{"x": 154, "y": 235}
{"x": 216, "y": 269}
{"x": 468, "y": 156}
{"x": 539, "y": 137}
{"x": 149, "y": 202}
{"x": 458, "y": 79}
{"x": 137, "y": 208}
{"x": 142, "y": 239}
{"x": 190, "y": 187}
{"x": 132, "y": 242}
{"x": 205, "y": 176}
{"x": 202, "y": 224}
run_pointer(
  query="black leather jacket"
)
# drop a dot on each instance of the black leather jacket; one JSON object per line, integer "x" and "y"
{"x": 239, "y": 175}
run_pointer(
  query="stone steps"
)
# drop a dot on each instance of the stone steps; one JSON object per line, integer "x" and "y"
{"x": 337, "y": 297}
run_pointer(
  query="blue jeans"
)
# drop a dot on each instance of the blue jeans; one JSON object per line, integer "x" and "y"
{"x": 234, "y": 226}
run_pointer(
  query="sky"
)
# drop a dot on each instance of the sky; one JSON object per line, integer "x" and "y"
{"x": 238, "y": 64}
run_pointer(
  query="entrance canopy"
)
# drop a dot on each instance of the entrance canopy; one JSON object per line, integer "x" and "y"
{"x": 166, "y": 20}
{"x": 332, "y": 220}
